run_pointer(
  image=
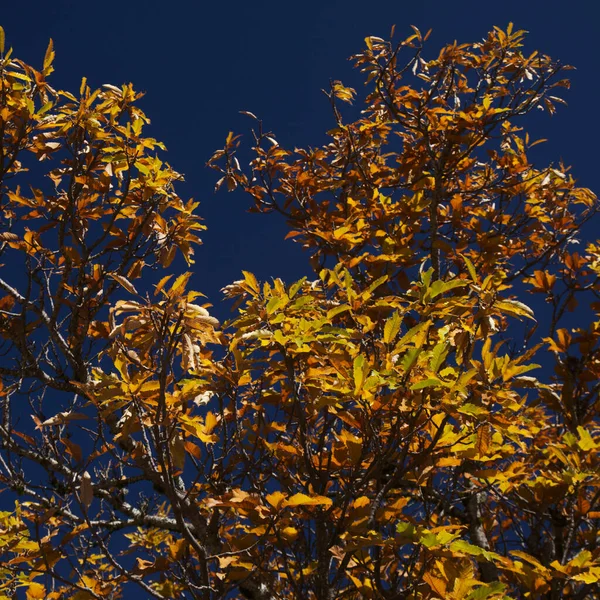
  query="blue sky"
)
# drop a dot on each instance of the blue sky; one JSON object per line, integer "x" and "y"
{"x": 201, "y": 63}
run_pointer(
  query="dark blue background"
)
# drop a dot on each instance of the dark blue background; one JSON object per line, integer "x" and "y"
{"x": 202, "y": 62}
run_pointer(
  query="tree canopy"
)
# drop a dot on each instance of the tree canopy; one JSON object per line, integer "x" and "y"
{"x": 380, "y": 431}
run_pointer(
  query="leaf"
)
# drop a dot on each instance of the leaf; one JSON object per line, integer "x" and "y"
{"x": 342, "y": 92}
{"x": 426, "y": 383}
{"x": 304, "y": 500}
{"x": 353, "y": 444}
{"x": 276, "y": 499}
{"x": 289, "y": 533}
{"x": 585, "y": 441}
{"x": 441, "y": 287}
{"x": 484, "y": 440}
{"x": 250, "y": 279}
{"x": 436, "y": 584}
{"x": 62, "y": 418}
{"x": 177, "y": 450}
{"x": 438, "y": 355}
{"x": 332, "y": 312}
{"x": 179, "y": 285}
{"x": 49, "y": 57}
{"x": 273, "y": 304}
{"x": 417, "y": 331}
{"x": 530, "y": 560}
{"x": 514, "y": 308}
{"x": 1, "y": 40}
{"x": 392, "y": 327}
{"x": 295, "y": 287}
{"x": 86, "y": 490}
{"x": 161, "y": 284}
{"x": 123, "y": 281}
{"x": 470, "y": 268}
{"x": 210, "y": 422}
{"x": 360, "y": 369}
{"x": 73, "y": 449}
{"x": 195, "y": 427}
{"x": 483, "y": 592}
{"x": 361, "y": 502}
{"x": 35, "y": 591}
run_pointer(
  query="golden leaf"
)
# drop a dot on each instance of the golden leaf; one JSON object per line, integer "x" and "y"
{"x": 304, "y": 500}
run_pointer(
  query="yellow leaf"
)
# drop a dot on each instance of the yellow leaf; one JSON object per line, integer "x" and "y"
{"x": 362, "y": 501}
{"x": 225, "y": 561}
{"x": 342, "y": 92}
{"x": 289, "y": 533}
{"x": 210, "y": 422}
{"x": 392, "y": 327}
{"x": 436, "y": 584}
{"x": 304, "y": 500}
{"x": 36, "y": 591}
{"x": 514, "y": 308}
{"x": 197, "y": 429}
{"x": 48, "y": 57}
{"x": 179, "y": 285}
{"x": 529, "y": 559}
{"x": 177, "y": 449}
{"x": 585, "y": 441}
{"x": 470, "y": 268}
{"x": 360, "y": 370}
{"x": 591, "y": 576}
{"x": 275, "y": 499}
{"x": 250, "y": 279}
{"x": 418, "y": 332}
{"x": 161, "y": 284}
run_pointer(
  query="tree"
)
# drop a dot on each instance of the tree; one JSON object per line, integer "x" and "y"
{"x": 373, "y": 433}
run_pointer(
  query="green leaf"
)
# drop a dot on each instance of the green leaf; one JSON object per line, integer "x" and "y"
{"x": 273, "y": 304}
{"x": 441, "y": 287}
{"x": 410, "y": 358}
{"x": 336, "y": 311}
{"x": 438, "y": 355}
{"x": 472, "y": 409}
{"x": 485, "y": 591}
{"x": 426, "y": 277}
{"x": 295, "y": 287}
{"x": 421, "y": 327}
{"x": 426, "y": 383}
{"x": 406, "y": 530}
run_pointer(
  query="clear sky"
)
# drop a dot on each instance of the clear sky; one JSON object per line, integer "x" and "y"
{"x": 202, "y": 62}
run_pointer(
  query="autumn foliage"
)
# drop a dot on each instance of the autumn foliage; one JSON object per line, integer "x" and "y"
{"x": 419, "y": 421}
